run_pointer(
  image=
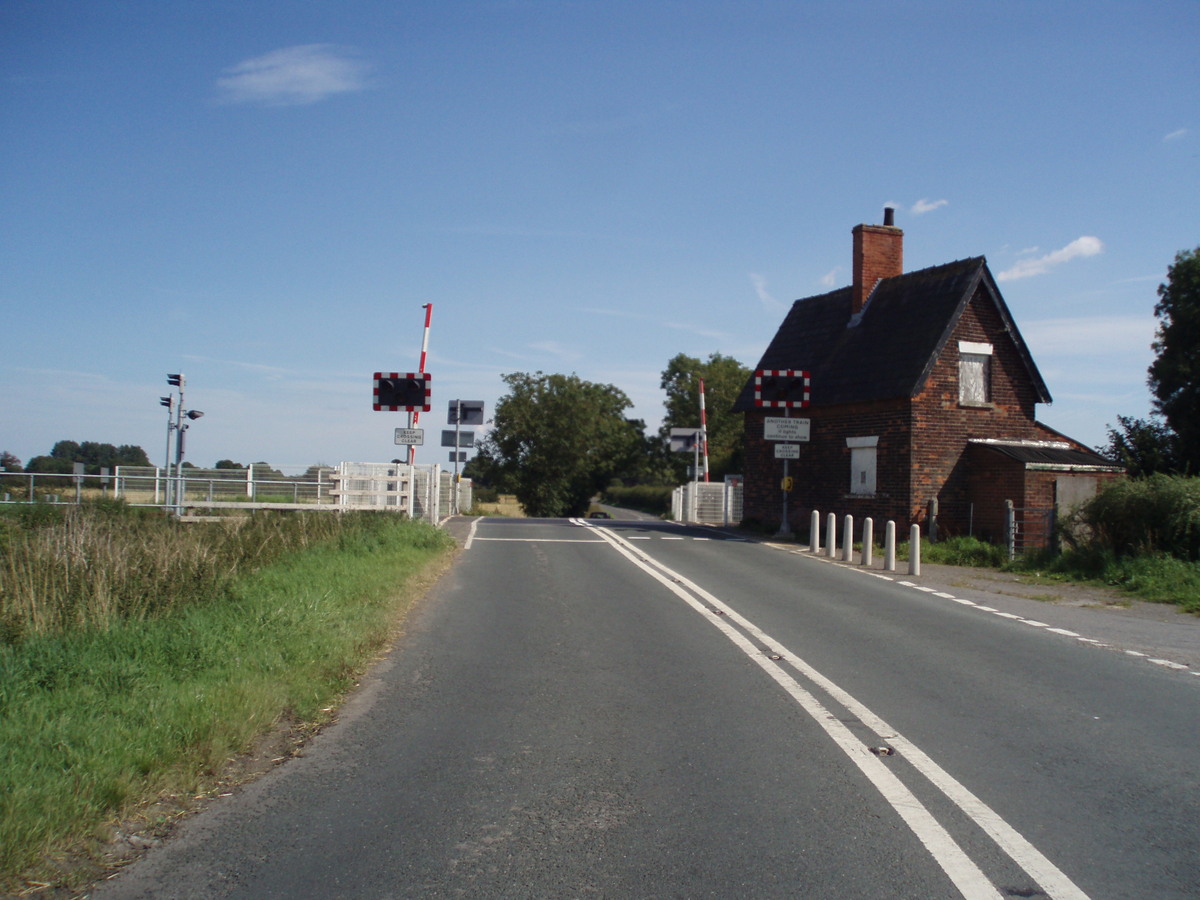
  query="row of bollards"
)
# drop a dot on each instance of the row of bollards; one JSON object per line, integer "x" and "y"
{"x": 868, "y": 542}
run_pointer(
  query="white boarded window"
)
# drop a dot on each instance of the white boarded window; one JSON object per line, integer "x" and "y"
{"x": 974, "y": 373}
{"x": 863, "y": 454}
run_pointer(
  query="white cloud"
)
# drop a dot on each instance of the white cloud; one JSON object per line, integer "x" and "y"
{"x": 1175, "y": 135}
{"x": 293, "y": 76}
{"x": 557, "y": 349}
{"x": 1119, "y": 336}
{"x": 1081, "y": 246}
{"x": 760, "y": 287}
{"x": 923, "y": 206}
{"x": 829, "y": 279}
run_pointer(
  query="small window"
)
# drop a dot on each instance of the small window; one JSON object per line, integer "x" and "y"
{"x": 974, "y": 373}
{"x": 863, "y": 456}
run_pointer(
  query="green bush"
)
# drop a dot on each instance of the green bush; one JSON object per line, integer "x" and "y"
{"x": 648, "y": 498}
{"x": 1155, "y": 516}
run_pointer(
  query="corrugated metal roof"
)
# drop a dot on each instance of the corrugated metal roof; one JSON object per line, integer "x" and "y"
{"x": 1049, "y": 455}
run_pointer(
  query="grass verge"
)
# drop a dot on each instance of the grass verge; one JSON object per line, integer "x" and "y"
{"x": 98, "y": 720}
{"x": 1157, "y": 578}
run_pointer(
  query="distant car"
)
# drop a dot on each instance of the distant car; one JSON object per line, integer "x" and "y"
{"x": 599, "y": 514}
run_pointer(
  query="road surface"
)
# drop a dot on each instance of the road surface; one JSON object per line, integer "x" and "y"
{"x": 634, "y": 709}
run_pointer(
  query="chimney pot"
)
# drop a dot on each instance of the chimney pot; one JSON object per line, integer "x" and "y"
{"x": 889, "y": 217}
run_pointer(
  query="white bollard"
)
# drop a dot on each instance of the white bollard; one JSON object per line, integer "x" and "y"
{"x": 868, "y": 556}
{"x": 914, "y": 551}
{"x": 814, "y": 533}
{"x": 848, "y": 539}
{"x": 831, "y": 536}
{"x": 889, "y": 547}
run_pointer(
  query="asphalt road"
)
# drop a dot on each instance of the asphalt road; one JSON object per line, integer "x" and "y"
{"x": 631, "y": 709}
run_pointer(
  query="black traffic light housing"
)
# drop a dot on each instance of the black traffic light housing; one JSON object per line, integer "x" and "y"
{"x": 781, "y": 388}
{"x": 407, "y": 391}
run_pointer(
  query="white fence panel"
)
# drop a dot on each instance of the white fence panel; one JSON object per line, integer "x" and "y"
{"x": 708, "y": 503}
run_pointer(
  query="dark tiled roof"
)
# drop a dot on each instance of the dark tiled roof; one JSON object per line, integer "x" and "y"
{"x": 891, "y": 349}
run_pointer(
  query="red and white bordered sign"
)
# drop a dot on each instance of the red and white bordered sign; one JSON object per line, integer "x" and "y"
{"x": 408, "y": 391}
{"x": 782, "y": 388}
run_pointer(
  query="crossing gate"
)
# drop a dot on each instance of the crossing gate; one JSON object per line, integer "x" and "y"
{"x": 709, "y": 503}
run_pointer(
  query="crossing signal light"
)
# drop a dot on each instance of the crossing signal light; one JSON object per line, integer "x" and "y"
{"x": 175, "y": 380}
{"x": 396, "y": 391}
{"x": 781, "y": 388}
{"x": 168, "y": 402}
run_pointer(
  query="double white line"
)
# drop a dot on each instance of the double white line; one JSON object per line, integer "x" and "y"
{"x": 970, "y": 880}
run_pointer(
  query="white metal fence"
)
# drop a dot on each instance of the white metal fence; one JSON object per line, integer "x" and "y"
{"x": 708, "y": 503}
{"x": 421, "y": 491}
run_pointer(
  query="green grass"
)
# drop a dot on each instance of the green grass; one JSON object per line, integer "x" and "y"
{"x": 99, "y": 719}
{"x": 1158, "y": 579}
{"x": 1154, "y": 577}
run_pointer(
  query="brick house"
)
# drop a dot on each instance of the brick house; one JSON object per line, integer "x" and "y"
{"x": 922, "y": 390}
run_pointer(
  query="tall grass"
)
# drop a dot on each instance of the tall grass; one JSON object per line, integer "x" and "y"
{"x": 117, "y": 701}
{"x": 87, "y": 566}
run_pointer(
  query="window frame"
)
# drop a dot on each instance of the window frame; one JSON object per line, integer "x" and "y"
{"x": 975, "y": 371}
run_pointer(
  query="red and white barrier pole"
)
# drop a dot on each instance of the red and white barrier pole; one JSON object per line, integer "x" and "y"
{"x": 703, "y": 431}
{"x": 415, "y": 416}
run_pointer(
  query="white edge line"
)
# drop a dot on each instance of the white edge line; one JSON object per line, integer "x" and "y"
{"x": 1052, "y": 880}
{"x": 960, "y": 868}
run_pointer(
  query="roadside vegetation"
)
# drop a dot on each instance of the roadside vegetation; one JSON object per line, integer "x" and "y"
{"x": 1139, "y": 535}
{"x": 138, "y": 655}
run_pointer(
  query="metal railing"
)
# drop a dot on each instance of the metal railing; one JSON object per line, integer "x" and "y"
{"x": 422, "y": 491}
{"x": 709, "y": 503}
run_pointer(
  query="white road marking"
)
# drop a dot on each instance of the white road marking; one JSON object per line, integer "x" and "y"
{"x": 965, "y": 874}
{"x": 538, "y": 540}
{"x": 1063, "y": 631}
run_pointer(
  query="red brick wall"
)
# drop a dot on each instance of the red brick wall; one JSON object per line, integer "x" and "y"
{"x": 942, "y": 427}
{"x": 822, "y": 474}
{"x": 934, "y": 464}
{"x": 878, "y": 253}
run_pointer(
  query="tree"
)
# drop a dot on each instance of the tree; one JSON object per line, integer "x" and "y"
{"x": 94, "y": 456}
{"x": 557, "y": 440}
{"x": 228, "y": 464}
{"x": 724, "y": 377}
{"x": 9, "y": 463}
{"x": 1143, "y": 446}
{"x": 1174, "y": 376}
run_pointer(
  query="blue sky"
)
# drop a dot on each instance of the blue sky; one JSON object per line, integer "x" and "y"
{"x": 262, "y": 195}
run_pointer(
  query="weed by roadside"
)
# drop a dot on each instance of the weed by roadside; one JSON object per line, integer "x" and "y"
{"x": 102, "y": 712}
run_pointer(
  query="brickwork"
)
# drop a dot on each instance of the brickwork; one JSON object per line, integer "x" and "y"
{"x": 922, "y": 452}
{"x": 878, "y": 253}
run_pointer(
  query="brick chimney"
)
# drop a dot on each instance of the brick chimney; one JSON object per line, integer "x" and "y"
{"x": 878, "y": 253}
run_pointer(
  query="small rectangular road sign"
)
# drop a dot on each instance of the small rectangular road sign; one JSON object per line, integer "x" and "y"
{"x": 414, "y": 436}
{"x": 465, "y": 438}
{"x": 787, "y": 451}
{"x": 776, "y": 428}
